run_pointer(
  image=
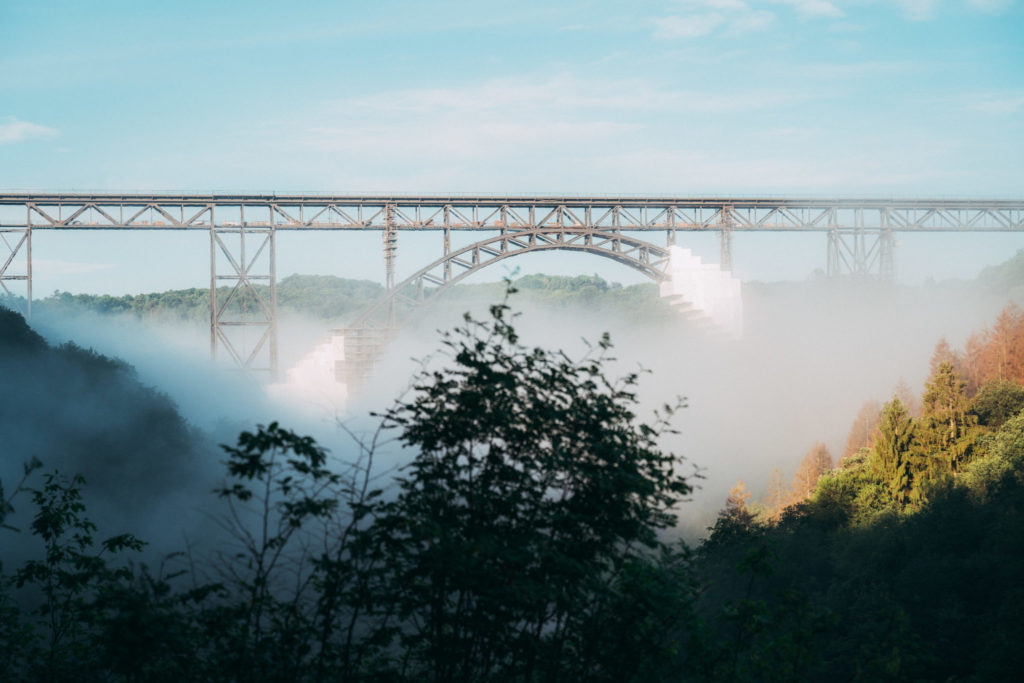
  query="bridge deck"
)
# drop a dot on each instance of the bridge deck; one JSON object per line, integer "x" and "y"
{"x": 90, "y": 211}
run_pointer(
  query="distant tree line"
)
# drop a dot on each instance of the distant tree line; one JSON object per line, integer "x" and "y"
{"x": 338, "y": 299}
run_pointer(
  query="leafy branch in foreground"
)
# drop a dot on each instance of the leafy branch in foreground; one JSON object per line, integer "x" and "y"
{"x": 533, "y": 496}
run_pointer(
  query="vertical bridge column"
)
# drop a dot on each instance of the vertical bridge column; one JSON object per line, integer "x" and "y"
{"x": 727, "y": 224}
{"x": 447, "y": 241}
{"x": 861, "y": 252}
{"x": 670, "y": 222}
{"x": 17, "y": 240}
{"x": 244, "y": 322}
{"x": 390, "y": 238}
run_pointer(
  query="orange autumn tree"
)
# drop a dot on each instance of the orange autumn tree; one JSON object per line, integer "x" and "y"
{"x": 863, "y": 429}
{"x": 736, "y": 503}
{"x": 1002, "y": 356}
{"x": 817, "y": 462}
{"x": 778, "y": 495}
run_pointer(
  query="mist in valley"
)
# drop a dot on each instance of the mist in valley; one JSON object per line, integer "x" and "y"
{"x": 812, "y": 353}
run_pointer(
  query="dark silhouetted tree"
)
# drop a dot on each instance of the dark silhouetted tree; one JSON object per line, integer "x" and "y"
{"x": 532, "y": 492}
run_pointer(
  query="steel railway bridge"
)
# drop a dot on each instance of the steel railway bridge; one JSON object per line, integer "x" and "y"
{"x": 243, "y": 228}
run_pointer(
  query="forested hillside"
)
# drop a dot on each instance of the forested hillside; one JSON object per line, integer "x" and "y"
{"x": 528, "y": 537}
{"x": 903, "y": 559}
{"x": 321, "y": 296}
{"x": 82, "y": 412}
{"x": 335, "y": 299}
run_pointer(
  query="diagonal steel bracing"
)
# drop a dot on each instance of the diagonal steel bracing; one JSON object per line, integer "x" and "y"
{"x": 860, "y": 234}
{"x": 15, "y": 243}
{"x": 244, "y": 321}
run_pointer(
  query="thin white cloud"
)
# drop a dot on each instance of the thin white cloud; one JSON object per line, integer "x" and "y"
{"x": 815, "y": 8}
{"x": 13, "y": 130}
{"x": 925, "y": 10}
{"x": 692, "y": 26}
{"x": 553, "y": 97}
{"x": 452, "y": 137}
{"x": 700, "y": 18}
{"x": 828, "y": 71}
{"x": 703, "y": 170}
{"x": 751, "y": 22}
{"x": 1000, "y": 105}
{"x": 918, "y": 10}
{"x": 726, "y": 5}
{"x": 507, "y": 121}
{"x": 990, "y": 6}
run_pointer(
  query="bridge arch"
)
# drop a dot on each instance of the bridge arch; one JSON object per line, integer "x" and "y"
{"x": 366, "y": 337}
{"x": 430, "y": 282}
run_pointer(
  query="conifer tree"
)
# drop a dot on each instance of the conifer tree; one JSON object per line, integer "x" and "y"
{"x": 945, "y": 432}
{"x": 890, "y": 456}
{"x": 943, "y": 354}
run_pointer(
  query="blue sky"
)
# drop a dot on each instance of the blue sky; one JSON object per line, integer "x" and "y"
{"x": 776, "y": 97}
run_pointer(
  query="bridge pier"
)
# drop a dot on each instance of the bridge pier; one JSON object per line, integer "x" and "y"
{"x": 447, "y": 241}
{"x": 390, "y": 240}
{"x": 727, "y": 223}
{"x": 251, "y": 304}
{"x": 18, "y": 241}
{"x": 725, "y": 257}
{"x": 861, "y": 252}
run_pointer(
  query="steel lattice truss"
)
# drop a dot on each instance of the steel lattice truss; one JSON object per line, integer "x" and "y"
{"x": 314, "y": 212}
{"x": 244, "y": 322}
{"x": 242, "y": 232}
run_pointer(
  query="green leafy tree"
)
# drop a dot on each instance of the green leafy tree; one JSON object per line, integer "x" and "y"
{"x": 278, "y": 483}
{"x": 533, "y": 496}
{"x": 70, "y": 577}
{"x": 997, "y": 401}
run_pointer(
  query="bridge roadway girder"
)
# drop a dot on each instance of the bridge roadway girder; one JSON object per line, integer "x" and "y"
{"x": 453, "y": 212}
{"x": 860, "y": 233}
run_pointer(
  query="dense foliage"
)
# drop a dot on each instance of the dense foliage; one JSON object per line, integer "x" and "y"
{"x": 900, "y": 563}
{"x": 521, "y": 543}
{"x": 85, "y": 413}
{"x": 524, "y": 541}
